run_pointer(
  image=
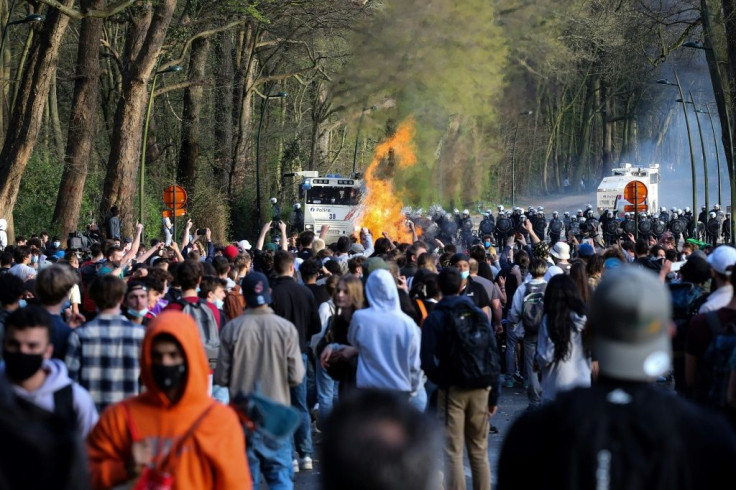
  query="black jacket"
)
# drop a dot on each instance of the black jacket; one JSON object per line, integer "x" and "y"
{"x": 296, "y": 303}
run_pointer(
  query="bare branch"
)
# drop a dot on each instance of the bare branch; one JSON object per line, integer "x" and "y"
{"x": 199, "y": 35}
{"x": 113, "y": 9}
{"x": 181, "y": 85}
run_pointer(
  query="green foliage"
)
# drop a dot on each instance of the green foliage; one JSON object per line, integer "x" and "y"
{"x": 443, "y": 63}
{"x": 37, "y": 195}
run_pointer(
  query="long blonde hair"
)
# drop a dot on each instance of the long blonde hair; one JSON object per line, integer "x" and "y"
{"x": 354, "y": 287}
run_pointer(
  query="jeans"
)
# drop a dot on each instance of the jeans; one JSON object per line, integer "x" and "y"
{"x": 272, "y": 459}
{"x": 303, "y": 434}
{"x": 326, "y": 393}
{"x": 511, "y": 343}
{"x": 534, "y": 391}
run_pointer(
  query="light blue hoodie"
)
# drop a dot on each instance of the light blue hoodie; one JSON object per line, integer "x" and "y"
{"x": 56, "y": 378}
{"x": 387, "y": 339}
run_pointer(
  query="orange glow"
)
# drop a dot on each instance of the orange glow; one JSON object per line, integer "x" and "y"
{"x": 382, "y": 204}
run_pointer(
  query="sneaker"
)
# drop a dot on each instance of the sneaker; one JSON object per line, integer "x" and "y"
{"x": 305, "y": 463}
{"x": 518, "y": 377}
{"x": 295, "y": 465}
{"x": 509, "y": 383}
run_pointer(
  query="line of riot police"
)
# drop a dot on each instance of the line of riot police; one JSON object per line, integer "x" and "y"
{"x": 608, "y": 228}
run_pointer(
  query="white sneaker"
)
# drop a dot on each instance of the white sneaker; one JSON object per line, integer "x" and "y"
{"x": 305, "y": 463}
{"x": 295, "y": 465}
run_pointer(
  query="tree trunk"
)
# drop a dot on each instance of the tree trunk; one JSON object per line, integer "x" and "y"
{"x": 145, "y": 37}
{"x": 192, "y": 108}
{"x": 247, "y": 76}
{"x": 82, "y": 121}
{"x": 26, "y": 119}
{"x": 58, "y": 149}
{"x": 224, "y": 75}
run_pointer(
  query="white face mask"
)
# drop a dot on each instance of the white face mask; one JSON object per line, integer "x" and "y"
{"x": 57, "y": 244}
{"x": 137, "y": 313}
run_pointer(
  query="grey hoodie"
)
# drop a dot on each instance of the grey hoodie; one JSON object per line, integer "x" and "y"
{"x": 56, "y": 378}
{"x": 387, "y": 339}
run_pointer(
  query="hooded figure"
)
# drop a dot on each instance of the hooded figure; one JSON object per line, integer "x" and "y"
{"x": 213, "y": 456}
{"x": 387, "y": 339}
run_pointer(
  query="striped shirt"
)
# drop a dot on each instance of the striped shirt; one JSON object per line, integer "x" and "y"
{"x": 103, "y": 356}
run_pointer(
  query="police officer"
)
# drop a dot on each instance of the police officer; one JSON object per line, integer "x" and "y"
{"x": 504, "y": 228}
{"x": 566, "y": 220}
{"x": 610, "y": 227}
{"x": 712, "y": 228}
{"x": 556, "y": 228}
{"x": 466, "y": 229}
{"x": 539, "y": 223}
{"x": 689, "y": 219}
{"x": 677, "y": 226}
{"x": 663, "y": 215}
{"x": 726, "y": 228}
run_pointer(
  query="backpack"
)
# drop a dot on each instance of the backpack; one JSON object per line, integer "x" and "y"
{"x": 716, "y": 359}
{"x": 64, "y": 406}
{"x": 234, "y": 303}
{"x": 532, "y": 307}
{"x": 207, "y": 326}
{"x": 473, "y": 353}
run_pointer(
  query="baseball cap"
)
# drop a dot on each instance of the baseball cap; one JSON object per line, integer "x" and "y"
{"x": 586, "y": 250}
{"x": 244, "y": 245}
{"x": 256, "y": 289}
{"x": 356, "y": 248}
{"x": 374, "y": 264}
{"x": 629, "y": 318}
{"x": 561, "y": 250}
{"x": 128, "y": 239}
{"x": 231, "y": 251}
{"x": 722, "y": 259}
{"x": 271, "y": 246}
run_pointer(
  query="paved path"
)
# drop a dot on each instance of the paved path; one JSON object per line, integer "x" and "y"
{"x": 513, "y": 402}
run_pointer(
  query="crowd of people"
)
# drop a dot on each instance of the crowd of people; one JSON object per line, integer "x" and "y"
{"x": 396, "y": 353}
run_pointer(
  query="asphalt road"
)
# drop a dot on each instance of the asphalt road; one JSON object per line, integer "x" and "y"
{"x": 513, "y": 401}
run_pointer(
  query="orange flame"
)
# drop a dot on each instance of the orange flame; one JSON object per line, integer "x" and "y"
{"x": 382, "y": 204}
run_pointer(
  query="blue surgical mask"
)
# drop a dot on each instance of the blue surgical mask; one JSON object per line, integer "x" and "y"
{"x": 137, "y": 313}
{"x": 57, "y": 244}
{"x": 487, "y": 244}
{"x": 465, "y": 274}
{"x": 22, "y": 303}
{"x": 219, "y": 303}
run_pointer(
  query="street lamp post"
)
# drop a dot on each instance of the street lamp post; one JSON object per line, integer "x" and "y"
{"x": 702, "y": 147}
{"x": 24, "y": 20}
{"x": 662, "y": 81}
{"x": 357, "y": 139}
{"x": 513, "y": 158}
{"x": 268, "y": 96}
{"x": 719, "y": 93}
{"x": 715, "y": 146}
{"x": 142, "y": 175}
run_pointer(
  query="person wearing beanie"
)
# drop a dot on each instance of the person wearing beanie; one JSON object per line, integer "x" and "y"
{"x": 623, "y": 431}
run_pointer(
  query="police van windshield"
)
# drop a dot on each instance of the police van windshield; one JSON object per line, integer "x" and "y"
{"x": 347, "y": 196}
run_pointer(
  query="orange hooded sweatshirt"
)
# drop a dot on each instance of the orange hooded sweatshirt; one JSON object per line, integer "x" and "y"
{"x": 212, "y": 457}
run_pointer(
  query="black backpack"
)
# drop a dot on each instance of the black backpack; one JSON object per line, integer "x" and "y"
{"x": 716, "y": 359}
{"x": 532, "y": 307}
{"x": 473, "y": 353}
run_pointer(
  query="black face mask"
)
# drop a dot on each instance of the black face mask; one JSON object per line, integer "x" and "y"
{"x": 168, "y": 377}
{"x": 19, "y": 366}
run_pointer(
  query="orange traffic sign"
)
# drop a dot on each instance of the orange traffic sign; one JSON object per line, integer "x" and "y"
{"x": 173, "y": 192}
{"x": 635, "y": 192}
{"x": 179, "y": 212}
{"x": 629, "y": 208}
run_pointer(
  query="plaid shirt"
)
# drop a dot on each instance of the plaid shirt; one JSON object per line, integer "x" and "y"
{"x": 102, "y": 356}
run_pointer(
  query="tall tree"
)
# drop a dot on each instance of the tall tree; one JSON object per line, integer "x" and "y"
{"x": 82, "y": 122}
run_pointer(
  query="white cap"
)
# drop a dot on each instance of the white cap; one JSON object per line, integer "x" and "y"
{"x": 244, "y": 245}
{"x": 722, "y": 259}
